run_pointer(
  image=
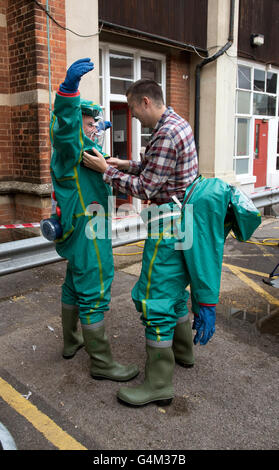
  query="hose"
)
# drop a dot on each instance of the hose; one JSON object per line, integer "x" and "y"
{"x": 131, "y": 254}
{"x": 263, "y": 242}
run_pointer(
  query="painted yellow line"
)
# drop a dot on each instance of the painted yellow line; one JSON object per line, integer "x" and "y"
{"x": 39, "y": 420}
{"x": 246, "y": 270}
{"x": 253, "y": 285}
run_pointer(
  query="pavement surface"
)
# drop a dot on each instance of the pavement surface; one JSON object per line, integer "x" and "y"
{"x": 227, "y": 401}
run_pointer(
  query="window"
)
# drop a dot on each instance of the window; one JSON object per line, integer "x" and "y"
{"x": 271, "y": 82}
{"x": 244, "y": 77}
{"x": 241, "y": 161}
{"x": 152, "y": 69}
{"x": 121, "y": 72}
{"x": 119, "y": 67}
{"x": 265, "y": 85}
{"x": 242, "y": 166}
{"x": 256, "y": 95}
{"x": 277, "y": 160}
{"x": 243, "y": 102}
{"x": 259, "y": 80}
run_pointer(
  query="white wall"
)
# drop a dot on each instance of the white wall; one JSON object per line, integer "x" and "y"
{"x": 217, "y": 103}
{"x": 82, "y": 17}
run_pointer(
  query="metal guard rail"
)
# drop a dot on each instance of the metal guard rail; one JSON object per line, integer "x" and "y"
{"x": 37, "y": 251}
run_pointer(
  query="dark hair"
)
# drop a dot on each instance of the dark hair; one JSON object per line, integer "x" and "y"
{"x": 146, "y": 87}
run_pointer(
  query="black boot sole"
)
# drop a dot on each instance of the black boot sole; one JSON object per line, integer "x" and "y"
{"x": 103, "y": 377}
{"x": 182, "y": 364}
{"x": 164, "y": 402}
{"x": 73, "y": 355}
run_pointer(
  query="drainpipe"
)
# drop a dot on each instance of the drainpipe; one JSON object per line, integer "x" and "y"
{"x": 53, "y": 203}
{"x": 198, "y": 74}
{"x": 49, "y": 64}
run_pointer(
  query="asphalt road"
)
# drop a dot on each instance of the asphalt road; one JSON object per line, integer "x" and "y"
{"x": 227, "y": 401}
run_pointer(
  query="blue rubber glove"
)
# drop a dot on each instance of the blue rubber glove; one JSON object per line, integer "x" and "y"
{"x": 74, "y": 74}
{"x": 204, "y": 324}
{"x": 103, "y": 125}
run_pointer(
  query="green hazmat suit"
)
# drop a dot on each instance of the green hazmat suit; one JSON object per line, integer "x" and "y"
{"x": 184, "y": 249}
{"x": 79, "y": 193}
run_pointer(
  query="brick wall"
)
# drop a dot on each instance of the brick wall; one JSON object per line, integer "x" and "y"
{"x": 6, "y": 151}
{"x": 24, "y": 103}
{"x": 178, "y": 83}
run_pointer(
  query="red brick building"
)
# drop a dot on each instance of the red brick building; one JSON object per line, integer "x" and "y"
{"x": 163, "y": 39}
{"x": 24, "y": 107}
{"x": 33, "y": 63}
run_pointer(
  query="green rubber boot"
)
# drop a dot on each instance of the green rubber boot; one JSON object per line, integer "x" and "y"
{"x": 73, "y": 340}
{"x": 183, "y": 344}
{"x": 157, "y": 386}
{"x": 102, "y": 364}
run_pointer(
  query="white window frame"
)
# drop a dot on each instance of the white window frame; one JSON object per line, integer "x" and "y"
{"x": 108, "y": 97}
{"x": 249, "y": 177}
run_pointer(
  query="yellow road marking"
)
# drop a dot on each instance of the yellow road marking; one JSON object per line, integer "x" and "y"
{"x": 253, "y": 285}
{"x": 246, "y": 270}
{"x": 39, "y": 420}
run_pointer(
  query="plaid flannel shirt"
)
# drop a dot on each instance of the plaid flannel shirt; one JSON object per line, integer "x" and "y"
{"x": 169, "y": 164}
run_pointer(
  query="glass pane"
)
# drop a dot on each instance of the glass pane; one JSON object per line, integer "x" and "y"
{"x": 121, "y": 65}
{"x": 119, "y": 86}
{"x": 277, "y": 163}
{"x": 243, "y": 102}
{"x": 271, "y": 82}
{"x": 242, "y": 137}
{"x": 151, "y": 68}
{"x": 271, "y": 105}
{"x": 241, "y": 166}
{"x": 259, "y": 104}
{"x": 244, "y": 77}
{"x": 119, "y": 143}
{"x": 119, "y": 134}
{"x": 259, "y": 80}
{"x": 278, "y": 140}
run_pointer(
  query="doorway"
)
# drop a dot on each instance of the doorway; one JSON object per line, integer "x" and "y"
{"x": 121, "y": 141}
{"x": 260, "y": 151}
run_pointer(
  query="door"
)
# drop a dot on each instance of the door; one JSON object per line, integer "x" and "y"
{"x": 121, "y": 146}
{"x": 260, "y": 151}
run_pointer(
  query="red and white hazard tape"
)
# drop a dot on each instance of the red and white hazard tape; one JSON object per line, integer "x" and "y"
{"x": 19, "y": 225}
{"x": 37, "y": 224}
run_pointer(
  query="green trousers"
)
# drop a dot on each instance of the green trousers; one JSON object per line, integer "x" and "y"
{"x": 160, "y": 294}
{"x": 89, "y": 273}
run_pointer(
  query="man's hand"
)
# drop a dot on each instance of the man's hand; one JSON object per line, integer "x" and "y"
{"x": 118, "y": 163}
{"x": 74, "y": 74}
{"x": 97, "y": 163}
{"x": 204, "y": 324}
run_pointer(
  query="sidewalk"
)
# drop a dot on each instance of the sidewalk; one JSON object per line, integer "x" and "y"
{"x": 227, "y": 401}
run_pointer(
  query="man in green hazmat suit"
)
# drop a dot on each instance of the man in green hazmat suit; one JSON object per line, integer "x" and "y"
{"x": 188, "y": 221}
{"x": 79, "y": 193}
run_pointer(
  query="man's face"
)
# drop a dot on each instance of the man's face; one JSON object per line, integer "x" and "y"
{"x": 89, "y": 126}
{"x": 139, "y": 110}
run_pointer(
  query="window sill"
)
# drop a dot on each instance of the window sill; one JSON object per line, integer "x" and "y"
{"x": 246, "y": 179}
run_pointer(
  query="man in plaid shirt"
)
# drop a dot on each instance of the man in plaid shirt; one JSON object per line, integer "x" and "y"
{"x": 169, "y": 164}
{"x": 168, "y": 167}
